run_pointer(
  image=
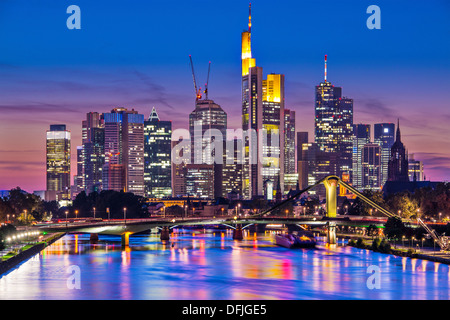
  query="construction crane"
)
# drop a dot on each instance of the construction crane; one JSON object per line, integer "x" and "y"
{"x": 207, "y": 82}
{"x": 198, "y": 94}
{"x": 442, "y": 241}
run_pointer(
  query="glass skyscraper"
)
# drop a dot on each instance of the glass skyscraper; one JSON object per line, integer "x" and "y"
{"x": 58, "y": 163}
{"x": 262, "y": 113}
{"x": 157, "y": 157}
{"x": 361, "y": 138}
{"x": 334, "y": 124}
{"x": 384, "y": 136}
{"x": 124, "y": 151}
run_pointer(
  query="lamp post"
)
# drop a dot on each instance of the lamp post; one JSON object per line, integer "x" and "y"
{"x": 125, "y": 215}
{"x": 67, "y": 212}
{"x": 107, "y": 211}
{"x": 76, "y": 214}
{"x": 94, "y": 212}
{"x": 185, "y": 210}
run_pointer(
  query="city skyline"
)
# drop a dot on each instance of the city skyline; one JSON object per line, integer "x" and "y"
{"x": 39, "y": 91}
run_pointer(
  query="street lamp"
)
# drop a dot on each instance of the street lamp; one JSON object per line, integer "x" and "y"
{"x": 125, "y": 215}
{"x": 67, "y": 212}
{"x": 94, "y": 212}
{"x": 76, "y": 214}
{"x": 107, "y": 211}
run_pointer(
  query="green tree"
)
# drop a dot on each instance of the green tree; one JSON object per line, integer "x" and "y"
{"x": 394, "y": 228}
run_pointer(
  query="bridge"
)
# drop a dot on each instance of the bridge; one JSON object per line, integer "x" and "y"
{"x": 125, "y": 228}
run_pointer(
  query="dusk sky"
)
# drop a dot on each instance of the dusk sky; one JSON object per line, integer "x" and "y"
{"x": 135, "y": 54}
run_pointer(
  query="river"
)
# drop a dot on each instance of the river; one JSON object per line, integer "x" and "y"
{"x": 209, "y": 265}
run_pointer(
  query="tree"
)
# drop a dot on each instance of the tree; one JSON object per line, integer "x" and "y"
{"x": 360, "y": 207}
{"x": 404, "y": 205}
{"x": 394, "y": 228}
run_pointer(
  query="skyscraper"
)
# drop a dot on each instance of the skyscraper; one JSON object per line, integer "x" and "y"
{"x": 289, "y": 141}
{"x": 232, "y": 168}
{"x": 398, "y": 161}
{"x": 208, "y": 129}
{"x": 371, "y": 167}
{"x": 361, "y": 138}
{"x": 317, "y": 164}
{"x": 94, "y": 159}
{"x": 262, "y": 124}
{"x": 415, "y": 169}
{"x": 93, "y": 120}
{"x": 124, "y": 151}
{"x": 302, "y": 164}
{"x": 157, "y": 155}
{"x": 58, "y": 163}
{"x": 334, "y": 123}
{"x": 384, "y": 136}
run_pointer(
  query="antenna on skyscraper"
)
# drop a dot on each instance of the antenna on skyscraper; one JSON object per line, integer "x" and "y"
{"x": 325, "y": 68}
{"x": 250, "y": 17}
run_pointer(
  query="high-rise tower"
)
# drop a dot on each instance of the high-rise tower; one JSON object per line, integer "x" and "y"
{"x": 262, "y": 125}
{"x": 124, "y": 151}
{"x": 384, "y": 136}
{"x": 334, "y": 123}
{"x": 58, "y": 163}
{"x": 361, "y": 137}
{"x": 157, "y": 153}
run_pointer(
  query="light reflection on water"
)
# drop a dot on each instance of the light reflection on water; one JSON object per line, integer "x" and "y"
{"x": 210, "y": 265}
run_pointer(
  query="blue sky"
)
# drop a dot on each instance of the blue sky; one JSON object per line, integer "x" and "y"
{"x": 135, "y": 54}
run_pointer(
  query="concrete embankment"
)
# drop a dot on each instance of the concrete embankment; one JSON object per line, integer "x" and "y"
{"x": 29, "y": 252}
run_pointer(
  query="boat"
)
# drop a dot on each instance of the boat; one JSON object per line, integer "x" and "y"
{"x": 297, "y": 239}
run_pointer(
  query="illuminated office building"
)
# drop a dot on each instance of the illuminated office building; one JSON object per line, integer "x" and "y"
{"x": 317, "y": 164}
{"x": 124, "y": 151}
{"x": 208, "y": 129}
{"x": 371, "y": 167}
{"x": 199, "y": 180}
{"x": 232, "y": 168}
{"x": 58, "y": 163}
{"x": 334, "y": 123}
{"x": 384, "y": 136}
{"x": 415, "y": 169}
{"x": 262, "y": 114}
{"x": 289, "y": 141}
{"x": 94, "y": 159}
{"x": 302, "y": 164}
{"x": 157, "y": 157}
{"x": 361, "y": 138}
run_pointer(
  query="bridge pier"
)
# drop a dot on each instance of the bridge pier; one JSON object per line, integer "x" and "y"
{"x": 331, "y": 233}
{"x": 165, "y": 234}
{"x": 237, "y": 233}
{"x": 125, "y": 239}
{"x": 93, "y": 238}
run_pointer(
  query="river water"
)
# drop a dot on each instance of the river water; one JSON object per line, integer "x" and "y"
{"x": 209, "y": 265}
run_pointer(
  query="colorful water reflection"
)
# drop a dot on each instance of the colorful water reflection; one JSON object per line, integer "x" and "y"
{"x": 210, "y": 265}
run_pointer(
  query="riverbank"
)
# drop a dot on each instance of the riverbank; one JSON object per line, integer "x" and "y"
{"x": 385, "y": 247}
{"x": 26, "y": 252}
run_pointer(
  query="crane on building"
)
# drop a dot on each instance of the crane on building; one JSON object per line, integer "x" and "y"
{"x": 198, "y": 94}
{"x": 207, "y": 82}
